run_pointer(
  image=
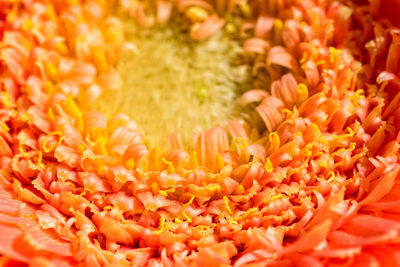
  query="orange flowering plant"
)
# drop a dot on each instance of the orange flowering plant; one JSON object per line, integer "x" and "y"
{"x": 294, "y": 159}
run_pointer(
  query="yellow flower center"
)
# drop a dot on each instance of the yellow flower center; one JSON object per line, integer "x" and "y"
{"x": 176, "y": 84}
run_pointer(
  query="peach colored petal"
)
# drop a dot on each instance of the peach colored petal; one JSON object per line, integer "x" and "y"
{"x": 255, "y": 95}
{"x": 210, "y": 26}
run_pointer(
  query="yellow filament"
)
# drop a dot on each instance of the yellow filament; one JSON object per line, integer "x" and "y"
{"x": 48, "y": 149}
{"x": 170, "y": 166}
{"x": 165, "y": 192}
{"x": 228, "y": 208}
{"x": 331, "y": 176}
{"x": 162, "y": 227}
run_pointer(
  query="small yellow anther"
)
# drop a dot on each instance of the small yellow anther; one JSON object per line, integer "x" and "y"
{"x": 269, "y": 167}
{"x": 196, "y": 14}
{"x": 27, "y": 25}
{"x": 302, "y": 90}
{"x": 81, "y": 148}
{"x": 239, "y": 190}
{"x": 130, "y": 164}
{"x": 100, "y": 58}
{"x": 241, "y": 142}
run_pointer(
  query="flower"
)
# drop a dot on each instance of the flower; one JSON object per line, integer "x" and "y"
{"x": 308, "y": 177}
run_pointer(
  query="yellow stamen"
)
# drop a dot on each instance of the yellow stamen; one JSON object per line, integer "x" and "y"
{"x": 196, "y": 14}
{"x": 170, "y": 166}
{"x": 13, "y": 14}
{"x": 322, "y": 138}
{"x": 61, "y": 48}
{"x": 269, "y": 167}
{"x": 60, "y": 139}
{"x": 6, "y": 99}
{"x": 247, "y": 212}
{"x": 178, "y": 220}
{"x": 288, "y": 112}
{"x": 71, "y": 107}
{"x": 228, "y": 208}
{"x": 27, "y": 25}
{"x": 81, "y": 148}
{"x": 331, "y": 176}
{"x": 73, "y": 2}
{"x": 40, "y": 158}
{"x": 50, "y": 12}
{"x": 4, "y": 127}
{"x": 203, "y": 228}
{"x": 194, "y": 162}
{"x": 51, "y": 70}
{"x": 239, "y": 190}
{"x": 101, "y": 170}
{"x": 187, "y": 217}
{"x": 165, "y": 192}
{"x": 162, "y": 228}
{"x": 154, "y": 158}
{"x": 220, "y": 162}
{"x": 302, "y": 89}
{"x": 334, "y": 54}
{"x": 50, "y": 114}
{"x": 101, "y": 142}
{"x": 277, "y": 196}
{"x": 246, "y": 9}
{"x": 109, "y": 207}
{"x": 130, "y": 164}
{"x": 304, "y": 58}
{"x": 213, "y": 187}
{"x": 155, "y": 188}
{"x": 100, "y": 59}
{"x": 278, "y": 26}
{"x": 189, "y": 202}
{"x": 49, "y": 87}
{"x": 241, "y": 142}
{"x": 323, "y": 164}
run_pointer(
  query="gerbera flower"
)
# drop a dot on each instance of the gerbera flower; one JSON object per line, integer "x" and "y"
{"x": 192, "y": 132}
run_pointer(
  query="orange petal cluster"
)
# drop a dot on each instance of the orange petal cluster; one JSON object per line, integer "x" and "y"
{"x": 317, "y": 184}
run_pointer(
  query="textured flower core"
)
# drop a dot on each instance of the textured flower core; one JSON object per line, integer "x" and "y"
{"x": 183, "y": 85}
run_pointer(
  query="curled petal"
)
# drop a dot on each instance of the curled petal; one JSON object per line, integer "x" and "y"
{"x": 256, "y": 150}
{"x": 278, "y": 55}
{"x": 256, "y": 45}
{"x": 164, "y": 9}
{"x": 182, "y": 4}
{"x": 255, "y": 95}
{"x": 263, "y": 26}
{"x": 209, "y": 144}
{"x": 383, "y": 186}
{"x": 270, "y": 111}
{"x": 154, "y": 203}
{"x": 210, "y": 26}
{"x": 285, "y": 89}
{"x": 311, "y": 239}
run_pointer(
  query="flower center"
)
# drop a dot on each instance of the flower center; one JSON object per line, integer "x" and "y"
{"x": 176, "y": 84}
